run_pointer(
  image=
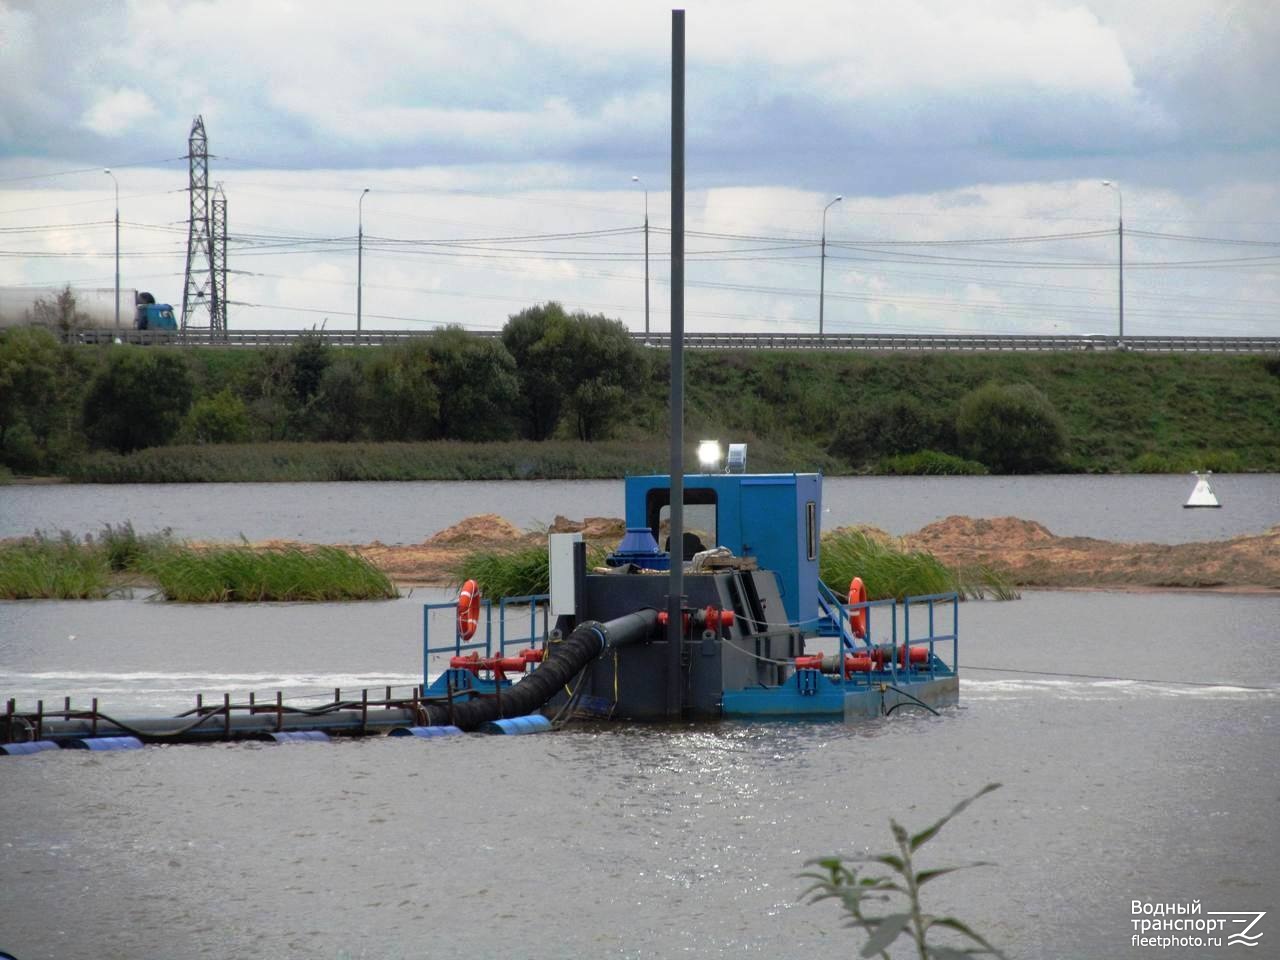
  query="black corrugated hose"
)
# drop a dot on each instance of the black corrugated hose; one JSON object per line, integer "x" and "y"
{"x": 587, "y": 641}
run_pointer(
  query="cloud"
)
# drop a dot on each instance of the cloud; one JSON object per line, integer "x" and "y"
{"x": 115, "y": 114}
{"x": 936, "y": 121}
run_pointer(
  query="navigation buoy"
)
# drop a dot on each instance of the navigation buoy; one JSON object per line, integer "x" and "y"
{"x": 1202, "y": 495}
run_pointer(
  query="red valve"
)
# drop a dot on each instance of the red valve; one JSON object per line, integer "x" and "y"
{"x": 709, "y": 618}
{"x": 853, "y": 663}
{"x": 500, "y": 666}
{"x": 714, "y": 619}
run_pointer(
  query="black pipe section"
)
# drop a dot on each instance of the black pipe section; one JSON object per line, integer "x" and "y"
{"x": 563, "y": 662}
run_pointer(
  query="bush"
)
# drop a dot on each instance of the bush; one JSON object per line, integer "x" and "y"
{"x": 899, "y": 424}
{"x": 930, "y": 463}
{"x": 138, "y": 400}
{"x": 221, "y": 418}
{"x": 1011, "y": 428}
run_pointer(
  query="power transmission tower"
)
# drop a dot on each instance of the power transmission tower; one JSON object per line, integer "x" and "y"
{"x": 219, "y": 225}
{"x": 201, "y": 291}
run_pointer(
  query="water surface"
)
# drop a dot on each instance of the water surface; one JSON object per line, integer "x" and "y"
{"x": 642, "y": 841}
{"x": 1108, "y": 507}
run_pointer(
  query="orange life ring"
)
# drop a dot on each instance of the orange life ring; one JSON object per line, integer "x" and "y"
{"x": 858, "y": 618}
{"x": 468, "y": 610}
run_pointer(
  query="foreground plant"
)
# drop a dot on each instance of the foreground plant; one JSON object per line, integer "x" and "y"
{"x": 896, "y": 896}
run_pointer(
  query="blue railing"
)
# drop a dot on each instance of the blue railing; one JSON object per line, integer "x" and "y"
{"x": 484, "y": 637}
{"x": 931, "y": 601}
{"x": 838, "y": 615}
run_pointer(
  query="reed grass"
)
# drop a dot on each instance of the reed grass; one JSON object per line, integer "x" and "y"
{"x": 891, "y": 571}
{"x": 516, "y": 572}
{"x": 125, "y": 548}
{"x": 242, "y": 574}
{"x": 64, "y": 568}
{"x": 320, "y": 462}
{"x": 44, "y": 568}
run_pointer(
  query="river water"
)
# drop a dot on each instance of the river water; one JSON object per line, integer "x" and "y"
{"x": 1135, "y": 735}
{"x": 1112, "y": 507}
{"x": 638, "y": 841}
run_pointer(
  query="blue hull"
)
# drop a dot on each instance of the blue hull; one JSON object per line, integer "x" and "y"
{"x": 827, "y": 698}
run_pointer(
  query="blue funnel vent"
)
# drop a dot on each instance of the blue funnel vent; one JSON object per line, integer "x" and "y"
{"x": 639, "y": 548}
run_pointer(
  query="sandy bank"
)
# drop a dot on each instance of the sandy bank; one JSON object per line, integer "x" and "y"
{"x": 1031, "y": 554}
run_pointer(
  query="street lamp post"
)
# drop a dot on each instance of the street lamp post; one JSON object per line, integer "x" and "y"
{"x": 646, "y": 256}
{"x": 1120, "y": 237}
{"x": 822, "y": 274}
{"x": 108, "y": 172}
{"x": 360, "y": 255}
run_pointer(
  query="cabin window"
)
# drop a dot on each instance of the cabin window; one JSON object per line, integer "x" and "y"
{"x": 700, "y": 518}
{"x": 811, "y": 529}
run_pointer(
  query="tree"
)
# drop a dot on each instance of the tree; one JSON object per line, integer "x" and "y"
{"x": 29, "y": 363}
{"x": 338, "y": 408}
{"x": 404, "y": 402}
{"x": 476, "y": 380}
{"x": 270, "y": 391}
{"x": 537, "y": 339}
{"x": 604, "y": 369}
{"x": 1011, "y": 428}
{"x": 60, "y": 313}
{"x": 310, "y": 357}
{"x": 40, "y": 387}
{"x": 138, "y": 399}
{"x": 586, "y": 365}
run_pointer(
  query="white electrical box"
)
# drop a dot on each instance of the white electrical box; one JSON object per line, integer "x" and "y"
{"x": 560, "y": 554}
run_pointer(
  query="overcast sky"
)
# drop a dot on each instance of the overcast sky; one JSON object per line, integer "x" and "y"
{"x": 952, "y": 121}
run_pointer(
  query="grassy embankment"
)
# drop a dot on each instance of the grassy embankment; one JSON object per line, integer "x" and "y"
{"x": 64, "y": 568}
{"x": 1122, "y": 413}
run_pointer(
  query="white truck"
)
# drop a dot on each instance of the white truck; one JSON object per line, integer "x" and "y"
{"x": 95, "y": 307}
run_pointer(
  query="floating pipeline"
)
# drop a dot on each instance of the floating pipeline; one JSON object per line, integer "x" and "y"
{"x": 563, "y": 662}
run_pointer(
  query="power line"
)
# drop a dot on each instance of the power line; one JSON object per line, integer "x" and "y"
{"x": 68, "y": 173}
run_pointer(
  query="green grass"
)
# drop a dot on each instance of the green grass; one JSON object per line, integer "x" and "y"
{"x": 44, "y": 568}
{"x": 518, "y": 572}
{"x": 888, "y": 571}
{"x": 249, "y": 575}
